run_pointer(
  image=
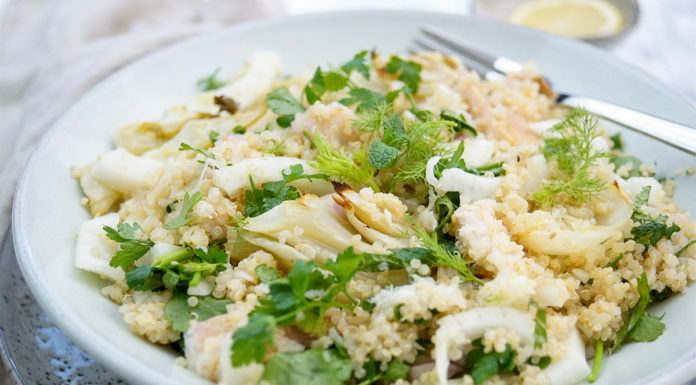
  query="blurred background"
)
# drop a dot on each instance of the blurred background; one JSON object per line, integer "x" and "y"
{"x": 52, "y": 51}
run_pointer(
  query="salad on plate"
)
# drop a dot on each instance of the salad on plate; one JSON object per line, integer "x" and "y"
{"x": 389, "y": 219}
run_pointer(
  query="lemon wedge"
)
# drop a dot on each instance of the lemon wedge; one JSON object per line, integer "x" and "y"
{"x": 571, "y": 18}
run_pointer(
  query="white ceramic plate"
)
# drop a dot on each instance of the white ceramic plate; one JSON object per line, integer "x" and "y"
{"x": 47, "y": 210}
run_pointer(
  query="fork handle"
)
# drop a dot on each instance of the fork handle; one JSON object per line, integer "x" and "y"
{"x": 671, "y": 133}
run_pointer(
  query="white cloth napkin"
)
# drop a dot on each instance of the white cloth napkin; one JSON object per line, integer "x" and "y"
{"x": 51, "y": 52}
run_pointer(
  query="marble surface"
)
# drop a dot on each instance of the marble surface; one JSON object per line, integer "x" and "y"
{"x": 34, "y": 351}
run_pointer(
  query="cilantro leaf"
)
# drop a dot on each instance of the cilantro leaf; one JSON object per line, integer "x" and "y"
{"x": 274, "y": 193}
{"x": 315, "y": 366}
{"x": 639, "y": 326}
{"x": 315, "y": 88}
{"x": 267, "y": 274}
{"x": 170, "y": 279}
{"x": 397, "y": 259}
{"x": 322, "y": 82}
{"x": 137, "y": 278}
{"x": 183, "y": 218}
{"x": 184, "y": 147}
{"x": 334, "y": 81}
{"x": 209, "y": 307}
{"x": 281, "y": 102}
{"x": 407, "y": 71}
{"x": 649, "y": 230}
{"x": 343, "y": 267}
{"x": 215, "y": 254}
{"x": 395, "y": 371}
{"x": 649, "y": 233}
{"x": 131, "y": 248}
{"x": 124, "y": 232}
{"x": 459, "y": 120}
{"x": 366, "y": 99}
{"x": 481, "y": 365}
{"x": 210, "y": 82}
{"x": 647, "y": 329}
{"x": 540, "y": 328}
{"x": 251, "y": 341}
{"x": 382, "y": 156}
{"x": 358, "y": 64}
{"x": 573, "y": 151}
{"x": 178, "y": 312}
{"x": 180, "y": 268}
{"x": 299, "y": 299}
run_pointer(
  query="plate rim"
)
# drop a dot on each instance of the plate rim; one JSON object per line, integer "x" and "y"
{"x": 128, "y": 367}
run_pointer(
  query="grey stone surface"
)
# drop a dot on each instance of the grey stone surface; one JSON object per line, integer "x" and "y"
{"x": 33, "y": 350}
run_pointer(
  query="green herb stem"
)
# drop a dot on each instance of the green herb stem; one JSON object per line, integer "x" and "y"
{"x": 167, "y": 259}
{"x": 597, "y": 362}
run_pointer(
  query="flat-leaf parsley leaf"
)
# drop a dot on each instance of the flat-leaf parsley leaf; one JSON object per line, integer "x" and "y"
{"x": 407, "y": 71}
{"x": 649, "y": 230}
{"x": 131, "y": 248}
{"x": 271, "y": 194}
{"x": 639, "y": 326}
{"x": 315, "y": 366}
{"x": 183, "y": 218}
{"x": 281, "y": 102}
{"x": 178, "y": 312}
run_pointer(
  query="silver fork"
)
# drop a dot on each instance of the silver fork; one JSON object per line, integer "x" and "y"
{"x": 494, "y": 67}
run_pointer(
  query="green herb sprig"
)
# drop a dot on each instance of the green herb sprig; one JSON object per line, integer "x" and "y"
{"x": 179, "y": 313}
{"x": 649, "y": 230}
{"x": 271, "y": 194}
{"x": 573, "y": 151}
{"x": 131, "y": 248}
{"x": 639, "y": 326}
{"x": 299, "y": 299}
{"x": 183, "y": 218}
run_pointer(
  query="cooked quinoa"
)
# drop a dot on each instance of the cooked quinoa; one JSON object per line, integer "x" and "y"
{"x": 396, "y": 219}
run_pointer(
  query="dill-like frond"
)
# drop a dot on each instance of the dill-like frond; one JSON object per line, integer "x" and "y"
{"x": 371, "y": 120}
{"x": 425, "y": 140}
{"x": 338, "y": 164}
{"x": 443, "y": 256}
{"x": 572, "y": 150}
{"x": 277, "y": 147}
